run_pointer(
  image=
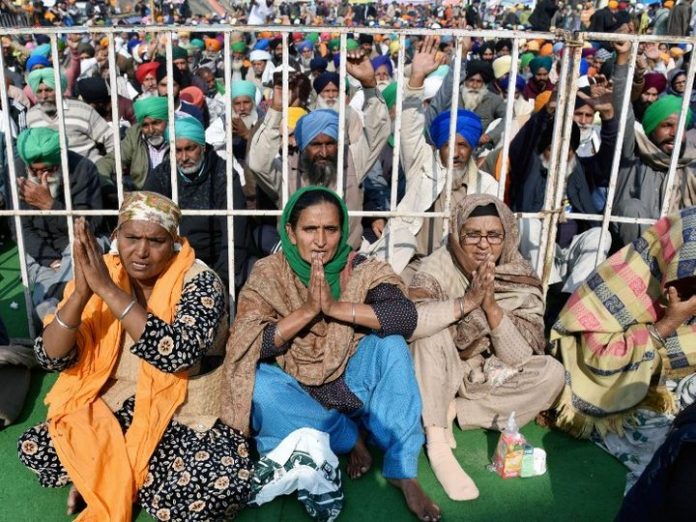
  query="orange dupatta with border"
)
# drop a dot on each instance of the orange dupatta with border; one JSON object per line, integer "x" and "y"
{"x": 106, "y": 466}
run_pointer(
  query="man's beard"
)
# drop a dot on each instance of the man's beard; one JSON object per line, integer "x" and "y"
{"x": 472, "y": 98}
{"x": 305, "y": 61}
{"x": 237, "y": 65}
{"x": 156, "y": 140}
{"x": 586, "y": 133}
{"x": 193, "y": 169}
{"x": 323, "y": 103}
{"x": 250, "y": 119}
{"x": 323, "y": 173}
{"x": 49, "y": 108}
{"x": 55, "y": 182}
{"x": 383, "y": 85}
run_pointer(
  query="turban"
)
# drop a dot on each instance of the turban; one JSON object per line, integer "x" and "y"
{"x": 394, "y": 47}
{"x": 655, "y": 80}
{"x": 143, "y": 70}
{"x": 258, "y": 55}
{"x": 441, "y": 71}
{"x": 540, "y": 62}
{"x": 262, "y": 45}
{"x": 294, "y": 114}
{"x": 318, "y": 64}
{"x": 542, "y": 99}
{"x": 546, "y": 50}
{"x": 481, "y": 67}
{"x": 155, "y": 107}
{"x": 39, "y": 145}
{"x": 39, "y": 76}
{"x": 304, "y": 45}
{"x": 265, "y": 35}
{"x": 584, "y": 67}
{"x": 557, "y": 47}
{"x": 198, "y": 43}
{"x": 365, "y": 38}
{"x": 44, "y": 50}
{"x": 519, "y": 83}
{"x": 313, "y": 37}
{"x": 325, "y": 78}
{"x": 188, "y": 128}
{"x": 297, "y": 37}
{"x": 662, "y": 109}
{"x": 244, "y": 88}
{"x": 379, "y": 61}
{"x": 389, "y": 94}
{"x": 238, "y": 47}
{"x": 676, "y": 52}
{"x": 37, "y": 59}
{"x": 179, "y": 52}
{"x": 602, "y": 55}
{"x": 525, "y": 59}
{"x": 193, "y": 94}
{"x": 501, "y": 66}
{"x": 152, "y": 207}
{"x": 669, "y": 4}
{"x": 213, "y": 45}
{"x": 613, "y": 4}
{"x": 533, "y": 46}
{"x": 468, "y": 126}
{"x": 591, "y": 51}
{"x": 322, "y": 121}
{"x": 93, "y": 90}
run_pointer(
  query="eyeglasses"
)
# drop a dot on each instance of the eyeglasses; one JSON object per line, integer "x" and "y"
{"x": 474, "y": 238}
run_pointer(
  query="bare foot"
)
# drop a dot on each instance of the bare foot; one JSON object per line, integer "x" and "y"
{"x": 75, "y": 501}
{"x": 416, "y": 499}
{"x": 359, "y": 459}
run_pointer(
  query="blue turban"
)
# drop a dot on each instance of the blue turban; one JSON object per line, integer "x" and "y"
{"x": 540, "y": 62}
{"x": 325, "y": 78}
{"x": 244, "y": 88}
{"x": 519, "y": 82}
{"x": 383, "y": 60}
{"x": 468, "y": 126}
{"x": 584, "y": 66}
{"x": 189, "y": 128}
{"x": 318, "y": 63}
{"x": 262, "y": 45}
{"x": 36, "y": 59}
{"x": 42, "y": 50}
{"x": 306, "y": 44}
{"x": 321, "y": 121}
{"x": 45, "y": 75}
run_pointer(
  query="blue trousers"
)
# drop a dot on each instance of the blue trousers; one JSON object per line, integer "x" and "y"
{"x": 381, "y": 375}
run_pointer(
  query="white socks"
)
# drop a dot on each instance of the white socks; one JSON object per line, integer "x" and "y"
{"x": 456, "y": 483}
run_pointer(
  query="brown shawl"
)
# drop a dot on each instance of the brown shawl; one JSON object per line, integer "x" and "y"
{"x": 517, "y": 288}
{"x": 318, "y": 355}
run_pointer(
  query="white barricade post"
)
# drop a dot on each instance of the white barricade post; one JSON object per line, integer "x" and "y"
{"x": 556, "y": 180}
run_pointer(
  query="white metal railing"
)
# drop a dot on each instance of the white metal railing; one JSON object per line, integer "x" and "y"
{"x": 550, "y": 214}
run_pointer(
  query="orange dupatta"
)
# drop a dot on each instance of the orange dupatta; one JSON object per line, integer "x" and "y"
{"x": 106, "y": 466}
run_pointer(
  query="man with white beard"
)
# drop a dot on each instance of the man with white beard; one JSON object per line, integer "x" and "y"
{"x": 577, "y": 242}
{"x": 261, "y": 70}
{"x": 326, "y": 87}
{"x": 584, "y": 116}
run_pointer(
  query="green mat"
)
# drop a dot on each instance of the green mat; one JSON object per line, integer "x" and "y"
{"x": 582, "y": 483}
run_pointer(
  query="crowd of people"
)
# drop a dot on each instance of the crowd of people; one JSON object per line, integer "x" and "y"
{"x": 331, "y": 336}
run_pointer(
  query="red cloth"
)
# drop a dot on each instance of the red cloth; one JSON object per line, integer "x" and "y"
{"x": 143, "y": 70}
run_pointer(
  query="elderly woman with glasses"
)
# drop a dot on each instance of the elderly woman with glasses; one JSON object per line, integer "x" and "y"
{"x": 479, "y": 346}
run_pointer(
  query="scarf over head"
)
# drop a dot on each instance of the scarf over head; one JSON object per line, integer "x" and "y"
{"x": 107, "y": 466}
{"x": 321, "y": 121}
{"x": 39, "y": 145}
{"x": 244, "y": 88}
{"x": 468, "y": 126}
{"x": 187, "y": 128}
{"x": 257, "y": 55}
{"x": 45, "y": 75}
{"x": 662, "y": 109}
{"x": 155, "y": 107}
{"x": 274, "y": 290}
{"x": 302, "y": 268}
{"x": 517, "y": 288}
{"x": 143, "y": 205}
{"x": 614, "y": 365}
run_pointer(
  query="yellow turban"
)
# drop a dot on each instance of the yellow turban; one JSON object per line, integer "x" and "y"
{"x": 294, "y": 114}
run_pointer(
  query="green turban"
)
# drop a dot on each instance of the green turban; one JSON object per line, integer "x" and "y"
{"x": 189, "y": 128}
{"x": 197, "y": 42}
{"x": 525, "y": 60}
{"x": 662, "y": 109}
{"x": 334, "y": 44}
{"x": 540, "y": 62}
{"x": 244, "y": 88}
{"x": 39, "y": 145}
{"x": 153, "y": 107}
{"x": 45, "y": 75}
{"x": 389, "y": 95}
{"x": 313, "y": 37}
{"x": 179, "y": 52}
{"x": 238, "y": 47}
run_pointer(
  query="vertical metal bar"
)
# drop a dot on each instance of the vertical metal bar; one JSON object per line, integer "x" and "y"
{"x": 284, "y": 126}
{"x": 397, "y": 141}
{"x": 341, "y": 116}
{"x": 616, "y": 161}
{"x": 452, "y": 133}
{"x": 681, "y": 129}
{"x": 115, "y": 118}
{"x": 510, "y": 103}
{"x": 9, "y": 154}
{"x": 553, "y": 167}
{"x": 229, "y": 173}
{"x": 62, "y": 136}
{"x": 172, "y": 111}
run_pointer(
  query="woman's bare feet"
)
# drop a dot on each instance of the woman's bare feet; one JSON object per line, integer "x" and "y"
{"x": 359, "y": 459}
{"x": 417, "y": 501}
{"x": 75, "y": 501}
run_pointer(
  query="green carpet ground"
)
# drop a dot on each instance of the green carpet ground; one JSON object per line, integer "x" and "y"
{"x": 582, "y": 483}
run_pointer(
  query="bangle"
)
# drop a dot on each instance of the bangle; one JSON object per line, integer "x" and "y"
{"x": 280, "y": 335}
{"x": 353, "y": 314}
{"x": 652, "y": 330}
{"x": 65, "y": 325}
{"x": 127, "y": 309}
{"x": 461, "y": 307}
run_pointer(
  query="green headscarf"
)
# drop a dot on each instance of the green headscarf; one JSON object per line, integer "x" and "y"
{"x": 39, "y": 145}
{"x": 302, "y": 268}
{"x": 662, "y": 109}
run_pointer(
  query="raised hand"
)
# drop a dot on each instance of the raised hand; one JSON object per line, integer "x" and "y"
{"x": 82, "y": 288}
{"x": 92, "y": 263}
{"x": 424, "y": 61}
{"x": 313, "y": 303}
{"x": 360, "y": 67}
{"x": 487, "y": 270}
